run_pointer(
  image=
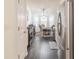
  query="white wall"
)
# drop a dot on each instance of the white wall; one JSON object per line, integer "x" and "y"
{"x": 15, "y": 41}
{"x": 61, "y": 39}
{"x": 66, "y": 37}
{"x": 10, "y": 25}
{"x": 22, "y": 32}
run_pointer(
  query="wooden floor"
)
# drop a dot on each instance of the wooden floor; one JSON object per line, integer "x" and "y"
{"x": 40, "y": 49}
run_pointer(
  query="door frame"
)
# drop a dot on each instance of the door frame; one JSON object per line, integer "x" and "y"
{"x": 71, "y": 29}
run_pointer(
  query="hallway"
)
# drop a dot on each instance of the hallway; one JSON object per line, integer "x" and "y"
{"x": 25, "y": 20}
{"x": 41, "y": 49}
{"x": 42, "y": 29}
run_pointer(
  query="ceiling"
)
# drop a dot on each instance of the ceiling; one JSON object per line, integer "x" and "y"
{"x": 38, "y": 5}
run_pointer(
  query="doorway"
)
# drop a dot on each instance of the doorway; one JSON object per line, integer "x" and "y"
{"x": 47, "y": 25}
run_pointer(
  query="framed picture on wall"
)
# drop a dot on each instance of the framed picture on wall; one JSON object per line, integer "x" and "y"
{"x": 59, "y": 24}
